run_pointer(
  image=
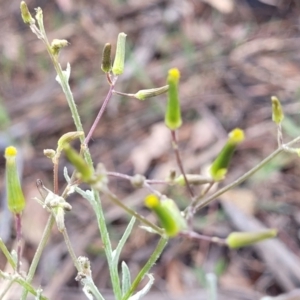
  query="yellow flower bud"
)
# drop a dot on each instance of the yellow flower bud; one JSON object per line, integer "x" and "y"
{"x": 168, "y": 214}
{"x": 220, "y": 165}
{"x": 15, "y": 197}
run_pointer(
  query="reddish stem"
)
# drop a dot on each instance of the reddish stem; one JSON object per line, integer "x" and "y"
{"x": 179, "y": 162}
{"x": 101, "y": 111}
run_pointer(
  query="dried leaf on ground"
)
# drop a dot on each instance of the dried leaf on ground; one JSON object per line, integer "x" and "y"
{"x": 152, "y": 147}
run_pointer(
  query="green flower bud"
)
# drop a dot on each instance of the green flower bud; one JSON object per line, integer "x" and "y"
{"x": 194, "y": 179}
{"x": 173, "y": 112}
{"x": 56, "y": 46}
{"x": 118, "y": 67}
{"x": 168, "y": 214}
{"x": 106, "y": 59}
{"x": 67, "y": 138}
{"x": 144, "y": 94}
{"x": 242, "y": 239}
{"x": 220, "y": 165}
{"x": 15, "y": 197}
{"x": 277, "y": 112}
{"x": 85, "y": 172}
{"x": 26, "y": 16}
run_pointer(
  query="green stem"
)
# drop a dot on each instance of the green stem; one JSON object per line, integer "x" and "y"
{"x": 152, "y": 260}
{"x": 70, "y": 249}
{"x": 133, "y": 213}
{"x": 7, "y": 255}
{"x": 38, "y": 253}
{"x": 7, "y": 288}
{"x": 246, "y": 175}
{"x": 107, "y": 245}
{"x": 21, "y": 281}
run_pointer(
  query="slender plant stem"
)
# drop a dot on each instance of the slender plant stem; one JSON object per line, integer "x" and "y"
{"x": 107, "y": 246}
{"x": 7, "y": 288}
{"x": 128, "y": 177}
{"x": 108, "y": 78}
{"x": 152, "y": 260}
{"x": 19, "y": 241}
{"x": 38, "y": 253}
{"x": 279, "y": 135}
{"x": 197, "y": 236}
{"x": 179, "y": 162}
{"x": 70, "y": 249}
{"x": 131, "y": 212}
{"x": 7, "y": 255}
{"x": 124, "y": 94}
{"x": 101, "y": 111}
{"x": 55, "y": 178}
{"x": 21, "y": 281}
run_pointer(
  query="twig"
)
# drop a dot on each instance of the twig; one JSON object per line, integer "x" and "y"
{"x": 179, "y": 162}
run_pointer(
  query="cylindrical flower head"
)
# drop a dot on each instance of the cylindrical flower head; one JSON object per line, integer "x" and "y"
{"x": 106, "y": 58}
{"x": 85, "y": 172}
{"x": 220, "y": 165}
{"x": 144, "y": 94}
{"x": 118, "y": 67}
{"x": 15, "y": 197}
{"x": 167, "y": 213}
{"x": 242, "y": 239}
{"x": 173, "y": 112}
{"x": 277, "y": 112}
{"x": 26, "y": 16}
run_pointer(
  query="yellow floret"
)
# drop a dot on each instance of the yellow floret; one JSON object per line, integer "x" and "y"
{"x": 174, "y": 74}
{"x": 152, "y": 201}
{"x": 236, "y": 136}
{"x": 10, "y": 151}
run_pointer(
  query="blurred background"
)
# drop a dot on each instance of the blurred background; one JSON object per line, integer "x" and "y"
{"x": 233, "y": 56}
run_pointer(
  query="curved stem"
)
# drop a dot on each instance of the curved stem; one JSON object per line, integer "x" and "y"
{"x": 152, "y": 260}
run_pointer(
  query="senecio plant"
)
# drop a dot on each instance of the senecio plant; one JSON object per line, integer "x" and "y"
{"x": 172, "y": 222}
